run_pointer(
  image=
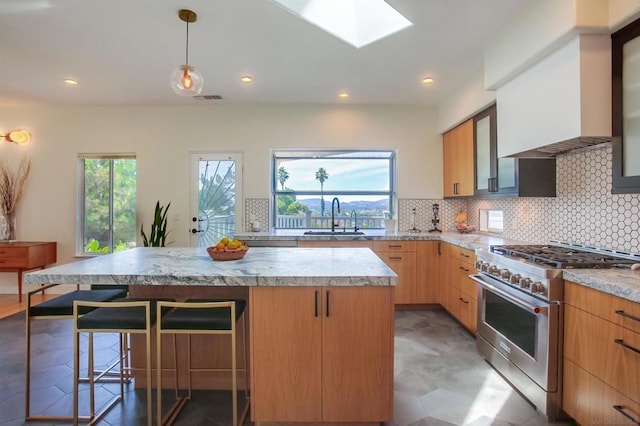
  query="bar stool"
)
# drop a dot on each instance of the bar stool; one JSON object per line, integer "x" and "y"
{"x": 201, "y": 316}
{"x": 61, "y": 307}
{"x": 132, "y": 316}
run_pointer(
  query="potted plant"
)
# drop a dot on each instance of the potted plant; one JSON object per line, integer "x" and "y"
{"x": 159, "y": 232}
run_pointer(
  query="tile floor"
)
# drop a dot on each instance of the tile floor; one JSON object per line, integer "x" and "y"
{"x": 440, "y": 379}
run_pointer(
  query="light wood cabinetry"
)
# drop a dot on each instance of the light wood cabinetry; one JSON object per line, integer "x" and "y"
{"x": 401, "y": 257}
{"x": 458, "y": 292}
{"x": 321, "y": 354}
{"x": 458, "y": 161}
{"x": 601, "y": 357}
{"x": 417, "y": 264}
{"x": 428, "y": 254}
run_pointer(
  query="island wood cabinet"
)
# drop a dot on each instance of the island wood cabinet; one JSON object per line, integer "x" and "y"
{"x": 601, "y": 357}
{"x": 458, "y": 293}
{"x": 321, "y": 354}
{"x": 458, "y": 161}
{"x": 21, "y": 256}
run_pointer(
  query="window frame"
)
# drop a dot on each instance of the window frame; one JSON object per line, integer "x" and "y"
{"x": 298, "y": 153}
{"x": 80, "y": 219}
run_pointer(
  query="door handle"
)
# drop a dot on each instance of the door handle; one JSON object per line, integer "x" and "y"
{"x": 197, "y": 219}
{"x": 195, "y": 231}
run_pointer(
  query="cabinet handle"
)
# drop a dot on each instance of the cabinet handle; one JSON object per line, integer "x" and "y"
{"x": 316, "y": 304}
{"x": 327, "y": 303}
{"x": 464, "y": 269}
{"x": 439, "y": 245}
{"x": 394, "y": 246}
{"x": 464, "y": 301}
{"x": 395, "y": 258}
{"x": 626, "y": 315}
{"x": 464, "y": 255}
{"x": 626, "y": 345}
{"x": 620, "y": 409}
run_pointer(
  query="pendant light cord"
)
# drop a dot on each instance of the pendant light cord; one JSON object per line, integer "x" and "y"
{"x": 187, "y": 50}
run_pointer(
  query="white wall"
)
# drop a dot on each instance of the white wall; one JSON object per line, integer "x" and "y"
{"x": 468, "y": 100}
{"x": 163, "y": 137}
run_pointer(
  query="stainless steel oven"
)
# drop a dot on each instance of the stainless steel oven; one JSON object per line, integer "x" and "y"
{"x": 520, "y": 336}
{"x": 520, "y": 313}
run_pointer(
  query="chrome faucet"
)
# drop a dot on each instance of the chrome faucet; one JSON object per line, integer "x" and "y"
{"x": 333, "y": 220}
{"x": 354, "y": 217}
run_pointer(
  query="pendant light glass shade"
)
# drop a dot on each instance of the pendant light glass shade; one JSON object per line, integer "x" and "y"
{"x": 186, "y": 80}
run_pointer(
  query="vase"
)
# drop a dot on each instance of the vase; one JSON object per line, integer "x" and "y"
{"x": 390, "y": 225}
{"x": 7, "y": 226}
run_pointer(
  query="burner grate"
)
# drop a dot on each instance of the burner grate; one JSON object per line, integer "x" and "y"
{"x": 561, "y": 257}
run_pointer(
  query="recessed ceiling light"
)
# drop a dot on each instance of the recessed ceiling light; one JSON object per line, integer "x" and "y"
{"x": 70, "y": 81}
{"x": 427, "y": 80}
{"x": 246, "y": 79}
{"x": 343, "y": 95}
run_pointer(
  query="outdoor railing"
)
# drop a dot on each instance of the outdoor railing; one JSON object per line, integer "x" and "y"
{"x": 307, "y": 221}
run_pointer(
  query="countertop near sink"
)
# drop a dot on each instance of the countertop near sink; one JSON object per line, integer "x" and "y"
{"x": 469, "y": 241}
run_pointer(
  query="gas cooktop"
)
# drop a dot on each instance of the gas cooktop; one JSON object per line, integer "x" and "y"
{"x": 567, "y": 256}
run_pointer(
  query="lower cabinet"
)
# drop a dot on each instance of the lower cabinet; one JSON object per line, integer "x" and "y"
{"x": 401, "y": 257}
{"x": 458, "y": 293}
{"x": 601, "y": 357}
{"x": 321, "y": 354}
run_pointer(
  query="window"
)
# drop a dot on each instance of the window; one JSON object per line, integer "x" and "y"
{"x": 107, "y": 203}
{"x": 305, "y": 183}
{"x": 491, "y": 220}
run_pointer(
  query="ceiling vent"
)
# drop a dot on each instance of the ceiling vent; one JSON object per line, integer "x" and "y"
{"x": 208, "y": 97}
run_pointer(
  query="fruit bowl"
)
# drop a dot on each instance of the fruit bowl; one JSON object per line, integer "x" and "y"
{"x": 463, "y": 228}
{"x": 227, "y": 254}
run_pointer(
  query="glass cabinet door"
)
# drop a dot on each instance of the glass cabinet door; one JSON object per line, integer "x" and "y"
{"x": 625, "y": 74}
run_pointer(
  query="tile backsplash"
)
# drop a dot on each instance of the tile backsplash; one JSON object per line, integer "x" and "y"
{"x": 584, "y": 211}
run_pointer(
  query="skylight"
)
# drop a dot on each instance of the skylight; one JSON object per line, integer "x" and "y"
{"x": 357, "y": 22}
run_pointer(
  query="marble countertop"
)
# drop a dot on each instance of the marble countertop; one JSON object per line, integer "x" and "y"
{"x": 273, "y": 266}
{"x": 623, "y": 283}
{"x": 471, "y": 241}
{"x": 618, "y": 282}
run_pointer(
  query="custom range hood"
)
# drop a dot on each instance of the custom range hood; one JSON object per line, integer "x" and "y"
{"x": 561, "y": 103}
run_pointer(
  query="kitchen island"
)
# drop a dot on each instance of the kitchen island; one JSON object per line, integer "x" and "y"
{"x": 320, "y": 319}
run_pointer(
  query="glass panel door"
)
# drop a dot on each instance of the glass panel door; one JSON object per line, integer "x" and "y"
{"x": 216, "y": 197}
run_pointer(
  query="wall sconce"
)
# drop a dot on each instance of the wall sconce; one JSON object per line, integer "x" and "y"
{"x": 19, "y": 136}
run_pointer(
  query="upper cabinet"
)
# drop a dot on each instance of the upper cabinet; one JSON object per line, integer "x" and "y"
{"x": 458, "y": 160}
{"x": 472, "y": 166}
{"x": 507, "y": 176}
{"x": 625, "y": 53}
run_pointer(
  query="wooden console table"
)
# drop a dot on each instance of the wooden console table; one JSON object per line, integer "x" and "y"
{"x": 21, "y": 256}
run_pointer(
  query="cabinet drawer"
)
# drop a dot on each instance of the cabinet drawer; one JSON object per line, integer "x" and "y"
{"x": 606, "y": 350}
{"x": 592, "y": 402}
{"x": 462, "y": 254}
{"x": 615, "y": 309}
{"x": 387, "y": 246}
{"x": 12, "y": 257}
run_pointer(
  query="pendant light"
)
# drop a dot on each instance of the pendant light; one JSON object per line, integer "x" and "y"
{"x": 186, "y": 80}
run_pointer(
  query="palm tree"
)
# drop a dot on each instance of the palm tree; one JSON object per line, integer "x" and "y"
{"x": 322, "y": 175}
{"x": 283, "y": 175}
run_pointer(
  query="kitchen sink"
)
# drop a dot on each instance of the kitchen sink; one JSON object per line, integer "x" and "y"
{"x": 334, "y": 233}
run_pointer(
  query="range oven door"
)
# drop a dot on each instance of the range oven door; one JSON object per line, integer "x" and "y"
{"x": 524, "y": 329}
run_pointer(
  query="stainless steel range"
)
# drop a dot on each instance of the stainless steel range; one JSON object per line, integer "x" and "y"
{"x": 520, "y": 294}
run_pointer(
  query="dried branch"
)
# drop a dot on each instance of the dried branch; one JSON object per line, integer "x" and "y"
{"x": 12, "y": 184}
